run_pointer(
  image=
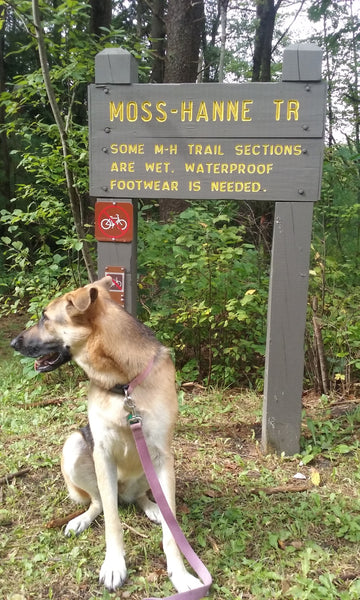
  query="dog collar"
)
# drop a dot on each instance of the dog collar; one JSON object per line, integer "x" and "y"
{"x": 127, "y": 388}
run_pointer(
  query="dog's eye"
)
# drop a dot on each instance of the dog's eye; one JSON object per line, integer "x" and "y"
{"x": 44, "y": 318}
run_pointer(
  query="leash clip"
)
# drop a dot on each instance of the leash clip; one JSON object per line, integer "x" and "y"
{"x": 130, "y": 406}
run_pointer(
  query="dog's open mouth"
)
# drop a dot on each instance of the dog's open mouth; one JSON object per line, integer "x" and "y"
{"x": 52, "y": 361}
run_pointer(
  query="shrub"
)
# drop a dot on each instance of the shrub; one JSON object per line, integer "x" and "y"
{"x": 202, "y": 291}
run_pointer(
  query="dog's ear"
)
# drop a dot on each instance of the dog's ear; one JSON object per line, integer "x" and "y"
{"x": 81, "y": 300}
{"x": 105, "y": 282}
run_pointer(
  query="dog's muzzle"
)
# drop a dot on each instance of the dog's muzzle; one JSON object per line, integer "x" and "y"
{"x": 48, "y": 356}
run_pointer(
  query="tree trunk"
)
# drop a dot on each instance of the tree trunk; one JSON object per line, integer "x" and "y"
{"x": 5, "y": 187}
{"x": 184, "y": 26}
{"x": 157, "y": 39}
{"x": 266, "y": 13}
{"x": 319, "y": 350}
{"x": 100, "y": 16}
{"x": 210, "y": 68}
{"x": 223, "y": 19}
{"x": 266, "y": 10}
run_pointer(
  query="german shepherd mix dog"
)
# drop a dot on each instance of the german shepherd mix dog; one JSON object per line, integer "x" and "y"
{"x": 100, "y": 463}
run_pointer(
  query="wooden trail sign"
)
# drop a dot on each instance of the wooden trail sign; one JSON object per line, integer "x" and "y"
{"x": 260, "y": 141}
{"x": 248, "y": 141}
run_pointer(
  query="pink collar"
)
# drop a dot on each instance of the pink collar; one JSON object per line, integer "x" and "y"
{"x": 128, "y": 388}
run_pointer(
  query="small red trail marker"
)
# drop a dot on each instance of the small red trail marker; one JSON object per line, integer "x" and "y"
{"x": 113, "y": 222}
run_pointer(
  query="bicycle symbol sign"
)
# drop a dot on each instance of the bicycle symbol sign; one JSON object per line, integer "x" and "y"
{"x": 113, "y": 221}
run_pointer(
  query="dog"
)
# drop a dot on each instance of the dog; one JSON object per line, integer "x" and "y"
{"x": 100, "y": 463}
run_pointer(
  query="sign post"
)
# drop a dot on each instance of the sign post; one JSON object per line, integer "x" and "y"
{"x": 252, "y": 141}
{"x": 289, "y": 277}
{"x": 115, "y": 222}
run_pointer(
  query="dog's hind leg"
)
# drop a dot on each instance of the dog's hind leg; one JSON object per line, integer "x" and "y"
{"x": 135, "y": 491}
{"x": 150, "y": 508}
{"x": 78, "y": 470}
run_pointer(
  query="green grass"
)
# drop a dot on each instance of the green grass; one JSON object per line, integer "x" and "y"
{"x": 258, "y": 542}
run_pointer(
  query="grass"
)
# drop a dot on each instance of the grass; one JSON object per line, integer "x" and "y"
{"x": 260, "y": 536}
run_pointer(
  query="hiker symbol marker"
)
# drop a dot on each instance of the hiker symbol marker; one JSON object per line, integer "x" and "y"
{"x": 113, "y": 221}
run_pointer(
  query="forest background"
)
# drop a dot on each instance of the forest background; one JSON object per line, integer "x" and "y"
{"x": 203, "y": 267}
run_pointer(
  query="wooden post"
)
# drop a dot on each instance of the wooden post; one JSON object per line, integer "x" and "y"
{"x": 284, "y": 364}
{"x": 118, "y": 66}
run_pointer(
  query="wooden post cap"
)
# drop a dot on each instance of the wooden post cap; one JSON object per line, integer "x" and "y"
{"x": 302, "y": 62}
{"x": 115, "y": 65}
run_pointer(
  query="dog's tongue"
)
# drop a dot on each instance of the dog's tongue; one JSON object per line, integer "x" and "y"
{"x": 45, "y": 361}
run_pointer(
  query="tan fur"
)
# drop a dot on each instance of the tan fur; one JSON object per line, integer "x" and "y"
{"x": 113, "y": 348}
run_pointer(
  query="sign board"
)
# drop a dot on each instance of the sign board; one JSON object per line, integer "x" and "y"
{"x": 117, "y": 290}
{"x": 248, "y": 141}
{"x": 113, "y": 221}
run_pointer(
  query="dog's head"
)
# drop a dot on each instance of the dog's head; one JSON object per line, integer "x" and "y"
{"x": 62, "y": 329}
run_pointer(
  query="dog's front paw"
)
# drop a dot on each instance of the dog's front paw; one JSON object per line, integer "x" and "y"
{"x": 113, "y": 572}
{"x": 184, "y": 581}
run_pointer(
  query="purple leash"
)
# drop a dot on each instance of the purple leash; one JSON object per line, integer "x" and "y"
{"x": 170, "y": 519}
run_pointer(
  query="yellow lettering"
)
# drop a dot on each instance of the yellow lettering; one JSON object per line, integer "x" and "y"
{"x": 159, "y": 149}
{"x": 209, "y": 149}
{"x": 292, "y": 110}
{"x": 163, "y": 114}
{"x": 202, "y": 112}
{"x": 123, "y": 167}
{"x": 278, "y": 104}
{"x": 141, "y": 184}
{"x": 245, "y": 110}
{"x": 216, "y": 168}
{"x": 267, "y": 149}
{"x": 187, "y": 110}
{"x": 232, "y": 110}
{"x": 161, "y": 167}
{"x": 147, "y": 116}
{"x": 235, "y": 186}
{"x": 127, "y": 148}
{"x": 116, "y": 112}
{"x": 132, "y": 111}
{"x": 194, "y": 186}
{"x": 218, "y": 110}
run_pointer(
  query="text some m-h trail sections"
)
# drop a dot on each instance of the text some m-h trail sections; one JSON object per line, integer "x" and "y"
{"x": 200, "y": 164}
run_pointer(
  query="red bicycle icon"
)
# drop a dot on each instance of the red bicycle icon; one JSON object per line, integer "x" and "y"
{"x": 114, "y": 221}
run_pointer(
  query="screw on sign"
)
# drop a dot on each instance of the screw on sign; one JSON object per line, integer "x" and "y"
{"x": 113, "y": 221}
